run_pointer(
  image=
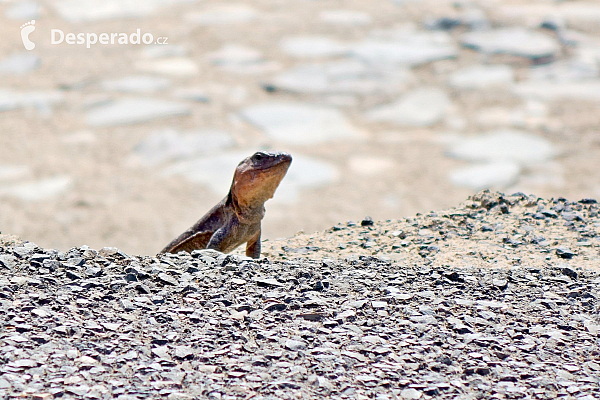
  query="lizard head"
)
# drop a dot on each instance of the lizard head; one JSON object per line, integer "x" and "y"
{"x": 256, "y": 178}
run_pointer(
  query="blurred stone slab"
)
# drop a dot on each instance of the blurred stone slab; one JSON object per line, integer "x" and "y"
{"x": 342, "y": 77}
{"x": 174, "y": 66}
{"x": 242, "y": 59}
{"x": 136, "y": 84}
{"x": 133, "y": 111}
{"x": 531, "y": 114}
{"x": 583, "y": 66}
{"x": 197, "y": 94}
{"x": 585, "y": 90}
{"x": 483, "y": 176}
{"x": 482, "y": 76}
{"x": 582, "y": 15}
{"x": 579, "y": 15}
{"x": 95, "y": 10}
{"x": 39, "y": 190}
{"x": 405, "y": 47}
{"x": 517, "y": 41}
{"x": 345, "y": 17}
{"x": 420, "y": 108}
{"x": 216, "y": 172}
{"x": 223, "y": 14}
{"x": 23, "y": 10}
{"x": 471, "y": 18}
{"x": 313, "y": 47}
{"x": 155, "y": 51}
{"x": 300, "y": 124}
{"x": 11, "y": 100}
{"x": 19, "y": 63}
{"x": 503, "y": 145}
{"x": 235, "y": 54}
{"x": 305, "y": 173}
{"x": 169, "y": 145}
{"x": 13, "y": 172}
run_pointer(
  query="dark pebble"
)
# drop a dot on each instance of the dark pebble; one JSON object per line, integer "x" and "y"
{"x": 564, "y": 252}
{"x": 367, "y": 221}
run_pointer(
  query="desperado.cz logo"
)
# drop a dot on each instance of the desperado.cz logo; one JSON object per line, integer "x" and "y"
{"x": 26, "y": 29}
{"x": 88, "y": 39}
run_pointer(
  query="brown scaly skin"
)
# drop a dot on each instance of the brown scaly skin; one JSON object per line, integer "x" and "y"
{"x": 236, "y": 218}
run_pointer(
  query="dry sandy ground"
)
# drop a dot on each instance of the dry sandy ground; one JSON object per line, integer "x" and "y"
{"x": 489, "y": 230}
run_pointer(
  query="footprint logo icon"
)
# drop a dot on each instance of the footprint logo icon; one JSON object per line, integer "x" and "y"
{"x": 26, "y": 29}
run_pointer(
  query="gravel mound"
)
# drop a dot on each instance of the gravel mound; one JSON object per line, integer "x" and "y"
{"x": 488, "y": 230}
{"x": 104, "y": 324}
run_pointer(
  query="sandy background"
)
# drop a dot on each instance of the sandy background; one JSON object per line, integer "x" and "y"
{"x": 93, "y": 190}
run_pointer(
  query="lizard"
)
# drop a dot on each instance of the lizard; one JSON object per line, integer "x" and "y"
{"x": 237, "y": 218}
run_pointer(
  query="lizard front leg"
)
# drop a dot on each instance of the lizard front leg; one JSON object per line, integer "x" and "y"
{"x": 217, "y": 239}
{"x": 253, "y": 246}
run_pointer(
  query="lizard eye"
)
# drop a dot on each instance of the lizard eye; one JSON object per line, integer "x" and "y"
{"x": 258, "y": 157}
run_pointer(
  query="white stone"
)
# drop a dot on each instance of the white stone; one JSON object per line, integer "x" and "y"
{"x": 133, "y": 111}
{"x": 235, "y": 54}
{"x": 313, "y": 46}
{"x": 345, "y": 17}
{"x": 515, "y": 40}
{"x": 23, "y": 10}
{"x": 39, "y": 190}
{"x": 261, "y": 67}
{"x": 95, "y": 10}
{"x": 136, "y": 84}
{"x": 482, "y": 76}
{"x": 580, "y": 15}
{"x": 214, "y": 171}
{"x": 13, "y": 172}
{"x": 379, "y": 52}
{"x": 407, "y": 47}
{"x": 11, "y": 100}
{"x": 169, "y": 144}
{"x": 300, "y": 124}
{"x": 571, "y": 70}
{"x": 486, "y": 176}
{"x": 197, "y": 94}
{"x": 583, "y": 15}
{"x": 586, "y": 90}
{"x": 19, "y": 63}
{"x": 242, "y": 59}
{"x": 225, "y": 14}
{"x": 504, "y": 145}
{"x": 410, "y": 394}
{"x": 305, "y": 173}
{"x": 343, "y": 77}
{"x": 175, "y": 66}
{"x": 420, "y": 108}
